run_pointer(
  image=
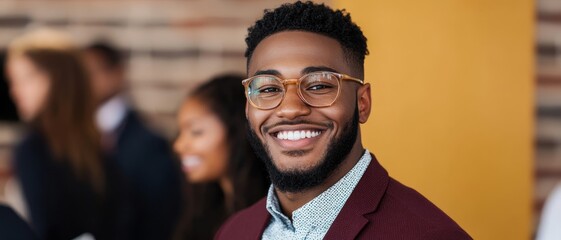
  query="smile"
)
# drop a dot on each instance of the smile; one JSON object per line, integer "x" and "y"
{"x": 301, "y": 136}
{"x": 297, "y": 135}
{"x": 190, "y": 162}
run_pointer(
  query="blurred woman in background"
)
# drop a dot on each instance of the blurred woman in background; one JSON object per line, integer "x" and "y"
{"x": 68, "y": 187}
{"x": 223, "y": 173}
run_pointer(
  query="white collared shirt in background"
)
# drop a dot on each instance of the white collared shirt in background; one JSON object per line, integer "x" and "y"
{"x": 110, "y": 115}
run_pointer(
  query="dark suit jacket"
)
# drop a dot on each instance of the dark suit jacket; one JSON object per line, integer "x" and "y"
{"x": 154, "y": 177}
{"x": 63, "y": 206}
{"x": 379, "y": 208}
{"x": 13, "y": 227}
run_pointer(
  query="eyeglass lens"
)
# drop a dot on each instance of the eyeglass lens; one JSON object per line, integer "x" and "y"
{"x": 316, "y": 89}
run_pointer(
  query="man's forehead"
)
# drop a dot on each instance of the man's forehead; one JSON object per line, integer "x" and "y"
{"x": 296, "y": 50}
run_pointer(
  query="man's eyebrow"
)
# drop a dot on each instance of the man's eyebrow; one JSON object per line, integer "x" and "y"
{"x": 304, "y": 71}
{"x": 317, "y": 69}
{"x": 267, "y": 72}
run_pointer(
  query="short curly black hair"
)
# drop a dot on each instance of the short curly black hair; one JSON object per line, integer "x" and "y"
{"x": 311, "y": 17}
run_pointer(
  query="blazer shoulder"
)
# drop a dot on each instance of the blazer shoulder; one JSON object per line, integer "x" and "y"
{"x": 445, "y": 233}
{"x": 248, "y": 223}
{"x": 417, "y": 214}
{"x": 408, "y": 201}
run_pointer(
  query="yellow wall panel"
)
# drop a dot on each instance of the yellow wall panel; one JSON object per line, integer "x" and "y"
{"x": 453, "y": 105}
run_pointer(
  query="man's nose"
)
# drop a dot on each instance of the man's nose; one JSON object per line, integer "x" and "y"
{"x": 292, "y": 106}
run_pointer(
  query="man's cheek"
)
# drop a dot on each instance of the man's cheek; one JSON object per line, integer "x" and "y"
{"x": 256, "y": 119}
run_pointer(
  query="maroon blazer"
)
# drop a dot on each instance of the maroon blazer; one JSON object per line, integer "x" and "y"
{"x": 379, "y": 208}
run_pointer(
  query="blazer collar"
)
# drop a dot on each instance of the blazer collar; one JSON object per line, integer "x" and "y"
{"x": 365, "y": 199}
{"x": 260, "y": 221}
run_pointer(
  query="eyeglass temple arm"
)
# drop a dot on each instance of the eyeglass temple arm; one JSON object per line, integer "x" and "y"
{"x": 347, "y": 77}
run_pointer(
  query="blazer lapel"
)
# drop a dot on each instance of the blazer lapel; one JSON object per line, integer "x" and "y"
{"x": 260, "y": 219}
{"x": 364, "y": 199}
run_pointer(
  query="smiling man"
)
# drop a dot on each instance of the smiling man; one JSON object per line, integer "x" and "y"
{"x": 306, "y": 101}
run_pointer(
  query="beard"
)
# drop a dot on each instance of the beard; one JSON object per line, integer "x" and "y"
{"x": 295, "y": 180}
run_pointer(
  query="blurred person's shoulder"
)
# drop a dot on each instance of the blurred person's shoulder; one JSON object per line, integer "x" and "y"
{"x": 144, "y": 154}
{"x": 32, "y": 143}
{"x": 31, "y": 138}
{"x": 247, "y": 223}
{"x": 12, "y": 226}
{"x": 136, "y": 130}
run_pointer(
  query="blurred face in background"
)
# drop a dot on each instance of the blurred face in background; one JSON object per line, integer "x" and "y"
{"x": 106, "y": 80}
{"x": 29, "y": 86}
{"x": 202, "y": 144}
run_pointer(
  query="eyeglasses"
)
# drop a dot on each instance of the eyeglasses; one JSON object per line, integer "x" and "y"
{"x": 317, "y": 89}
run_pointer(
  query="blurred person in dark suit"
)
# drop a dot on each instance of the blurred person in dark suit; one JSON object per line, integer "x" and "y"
{"x": 144, "y": 157}
{"x": 224, "y": 174}
{"x": 13, "y": 227}
{"x": 68, "y": 186}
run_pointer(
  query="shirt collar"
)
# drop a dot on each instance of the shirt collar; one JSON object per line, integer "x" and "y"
{"x": 111, "y": 114}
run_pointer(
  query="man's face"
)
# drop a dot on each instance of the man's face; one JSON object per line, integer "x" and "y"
{"x": 105, "y": 81}
{"x": 292, "y": 54}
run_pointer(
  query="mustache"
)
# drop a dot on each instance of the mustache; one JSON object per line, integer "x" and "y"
{"x": 328, "y": 125}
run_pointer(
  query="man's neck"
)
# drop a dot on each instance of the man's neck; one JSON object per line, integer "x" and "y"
{"x": 289, "y": 202}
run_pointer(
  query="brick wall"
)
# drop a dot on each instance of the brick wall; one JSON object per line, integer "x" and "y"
{"x": 548, "y": 100}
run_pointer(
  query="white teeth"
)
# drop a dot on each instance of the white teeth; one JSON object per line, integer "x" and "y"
{"x": 191, "y": 161}
{"x": 297, "y": 135}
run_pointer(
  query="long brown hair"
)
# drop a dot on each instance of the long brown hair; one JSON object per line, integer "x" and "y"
{"x": 66, "y": 120}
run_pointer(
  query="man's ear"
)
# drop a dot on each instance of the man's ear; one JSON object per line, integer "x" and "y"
{"x": 364, "y": 102}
